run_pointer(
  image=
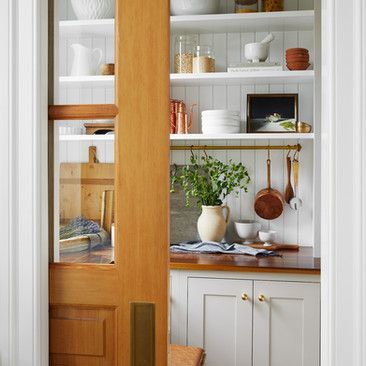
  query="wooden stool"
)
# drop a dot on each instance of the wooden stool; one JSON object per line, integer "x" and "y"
{"x": 186, "y": 356}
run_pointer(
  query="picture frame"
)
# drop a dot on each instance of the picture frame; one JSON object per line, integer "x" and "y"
{"x": 272, "y": 113}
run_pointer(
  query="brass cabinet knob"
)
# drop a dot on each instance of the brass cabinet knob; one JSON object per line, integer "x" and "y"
{"x": 261, "y": 298}
{"x": 245, "y": 297}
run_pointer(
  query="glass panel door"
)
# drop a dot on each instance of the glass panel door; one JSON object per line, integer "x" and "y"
{"x": 84, "y": 191}
{"x": 84, "y": 52}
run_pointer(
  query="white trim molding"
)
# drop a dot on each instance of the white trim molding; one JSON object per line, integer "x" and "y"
{"x": 23, "y": 184}
{"x": 343, "y": 183}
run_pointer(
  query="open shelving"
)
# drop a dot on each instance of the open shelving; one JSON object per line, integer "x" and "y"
{"x": 220, "y": 23}
{"x": 215, "y": 78}
{"x": 203, "y": 137}
{"x": 253, "y": 22}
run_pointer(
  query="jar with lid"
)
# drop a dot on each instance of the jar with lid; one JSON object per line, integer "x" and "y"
{"x": 203, "y": 59}
{"x": 246, "y": 6}
{"x": 183, "y": 54}
{"x": 272, "y": 5}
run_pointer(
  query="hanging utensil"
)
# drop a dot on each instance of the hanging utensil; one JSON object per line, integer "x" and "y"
{"x": 289, "y": 192}
{"x": 268, "y": 201}
{"x": 296, "y": 202}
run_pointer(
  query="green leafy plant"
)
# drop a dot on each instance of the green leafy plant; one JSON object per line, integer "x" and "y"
{"x": 209, "y": 180}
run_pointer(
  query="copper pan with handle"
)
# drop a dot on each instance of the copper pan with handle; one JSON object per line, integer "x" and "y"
{"x": 269, "y": 202}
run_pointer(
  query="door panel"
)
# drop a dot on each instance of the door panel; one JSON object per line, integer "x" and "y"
{"x": 90, "y": 303}
{"x": 220, "y": 321}
{"x": 286, "y": 324}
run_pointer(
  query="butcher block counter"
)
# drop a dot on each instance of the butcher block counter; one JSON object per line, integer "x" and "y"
{"x": 301, "y": 261}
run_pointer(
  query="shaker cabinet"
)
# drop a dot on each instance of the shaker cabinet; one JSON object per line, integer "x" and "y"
{"x": 286, "y": 323}
{"x": 247, "y": 321}
{"x": 220, "y": 320}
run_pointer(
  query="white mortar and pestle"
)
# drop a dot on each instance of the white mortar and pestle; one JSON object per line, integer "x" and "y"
{"x": 258, "y": 51}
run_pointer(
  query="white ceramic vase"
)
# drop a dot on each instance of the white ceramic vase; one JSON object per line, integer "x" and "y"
{"x": 212, "y": 223}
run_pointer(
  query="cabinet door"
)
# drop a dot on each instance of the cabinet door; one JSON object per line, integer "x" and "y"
{"x": 286, "y": 324}
{"x": 220, "y": 321}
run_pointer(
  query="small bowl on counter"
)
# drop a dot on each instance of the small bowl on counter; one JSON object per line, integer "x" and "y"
{"x": 194, "y": 7}
{"x": 247, "y": 230}
{"x": 303, "y": 127}
{"x": 267, "y": 237}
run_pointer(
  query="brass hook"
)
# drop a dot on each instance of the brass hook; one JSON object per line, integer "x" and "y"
{"x": 268, "y": 153}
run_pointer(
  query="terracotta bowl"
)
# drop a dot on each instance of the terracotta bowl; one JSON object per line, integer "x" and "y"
{"x": 297, "y": 59}
{"x": 298, "y": 66}
{"x": 297, "y": 50}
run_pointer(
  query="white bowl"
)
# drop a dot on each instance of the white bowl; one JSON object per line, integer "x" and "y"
{"x": 247, "y": 230}
{"x": 220, "y": 113}
{"x": 194, "y": 7}
{"x": 267, "y": 236}
{"x": 220, "y": 129}
{"x": 214, "y": 118}
{"x": 221, "y": 123}
{"x": 256, "y": 52}
{"x": 93, "y": 9}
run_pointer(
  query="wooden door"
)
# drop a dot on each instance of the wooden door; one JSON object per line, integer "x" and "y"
{"x": 220, "y": 320}
{"x": 286, "y": 324}
{"x": 113, "y": 309}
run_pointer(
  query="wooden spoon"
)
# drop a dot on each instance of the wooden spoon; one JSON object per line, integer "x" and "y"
{"x": 289, "y": 192}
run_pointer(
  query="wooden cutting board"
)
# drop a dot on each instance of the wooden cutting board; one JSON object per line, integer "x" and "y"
{"x": 275, "y": 246}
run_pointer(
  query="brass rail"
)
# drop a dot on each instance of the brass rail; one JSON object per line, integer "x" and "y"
{"x": 236, "y": 147}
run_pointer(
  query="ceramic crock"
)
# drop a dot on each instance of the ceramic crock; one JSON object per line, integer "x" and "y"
{"x": 212, "y": 223}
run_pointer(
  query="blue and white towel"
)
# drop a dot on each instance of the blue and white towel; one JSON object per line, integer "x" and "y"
{"x": 210, "y": 247}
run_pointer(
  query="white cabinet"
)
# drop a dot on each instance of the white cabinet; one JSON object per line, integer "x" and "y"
{"x": 220, "y": 321}
{"x": 286, "y": 324}
{"x": 222, "y": 314}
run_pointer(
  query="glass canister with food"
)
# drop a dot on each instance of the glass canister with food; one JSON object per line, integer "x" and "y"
{"x": 203, "y": 59}
{"x": 272, "y": 5}
{"x": 246, "y": 6}
{"x": 183, "y": 54}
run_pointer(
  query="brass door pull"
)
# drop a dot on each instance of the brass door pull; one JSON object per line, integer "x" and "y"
{"x": 261, "y": 298}
{"x": 244, "y": 297}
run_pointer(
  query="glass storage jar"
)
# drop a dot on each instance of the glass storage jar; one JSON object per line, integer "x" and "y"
{"x": 203, "y": 59}
{"x": 183, "y": 54}
{"x": 246, "y": 6}
{"x": 272, "y": 5}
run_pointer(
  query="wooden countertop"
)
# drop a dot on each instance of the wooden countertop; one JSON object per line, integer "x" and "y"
{"x": 301, "y": 262}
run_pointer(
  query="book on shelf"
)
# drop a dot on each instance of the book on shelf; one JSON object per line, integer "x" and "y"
{"x": 255, "y": 67}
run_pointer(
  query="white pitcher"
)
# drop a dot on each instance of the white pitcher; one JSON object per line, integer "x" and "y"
{"x": 84, "y": 62}
{"x": 212, "y": 223}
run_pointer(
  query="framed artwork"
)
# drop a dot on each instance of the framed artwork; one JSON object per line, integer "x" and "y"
{"x": 272, "y": 113}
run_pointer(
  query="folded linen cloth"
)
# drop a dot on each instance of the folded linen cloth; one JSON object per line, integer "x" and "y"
{"x": 211, "y": 247}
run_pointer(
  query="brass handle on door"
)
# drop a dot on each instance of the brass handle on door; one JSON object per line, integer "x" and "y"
{"x": 245, "y": 297}
{"x": 261, "y": 298}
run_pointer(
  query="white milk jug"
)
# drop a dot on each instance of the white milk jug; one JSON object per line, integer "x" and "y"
{"x": 84, "y": 61}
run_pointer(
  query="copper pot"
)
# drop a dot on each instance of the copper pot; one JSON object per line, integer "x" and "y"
{"x": 269, "y": 202}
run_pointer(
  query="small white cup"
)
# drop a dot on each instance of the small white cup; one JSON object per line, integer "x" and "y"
{"x": 267, "y": 236}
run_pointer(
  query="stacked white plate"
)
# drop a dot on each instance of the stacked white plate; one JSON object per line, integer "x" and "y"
{"x": 220, "y": 121}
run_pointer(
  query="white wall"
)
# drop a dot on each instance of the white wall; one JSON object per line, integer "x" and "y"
{"x": 23, "y": 184}
{"x": 343, "y": 193}
{"x": 6, "y": 265}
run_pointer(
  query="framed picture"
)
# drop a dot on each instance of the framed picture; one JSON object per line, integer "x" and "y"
{"x": 272, "y": 113}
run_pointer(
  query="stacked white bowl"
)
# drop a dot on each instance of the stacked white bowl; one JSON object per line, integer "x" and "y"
{"x": 220, "y": 121}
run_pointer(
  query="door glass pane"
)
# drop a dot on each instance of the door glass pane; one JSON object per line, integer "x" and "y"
{"x": 84, "y": 191}
{"x": 83, "y": 52}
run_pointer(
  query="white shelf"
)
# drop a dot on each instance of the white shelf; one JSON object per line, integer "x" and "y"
{"x": 86, "y": 137}
{"x": 216, "y": 78}
{"x": 252, "y": 22}
{"x": 97, "y": 81}
{"x": 243, "y": 136}
{"x": 95, "y": 27}
{"x": 202, "y": 137}
{"x": 258, "y": 77}
{"x": 215, "y": 23}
